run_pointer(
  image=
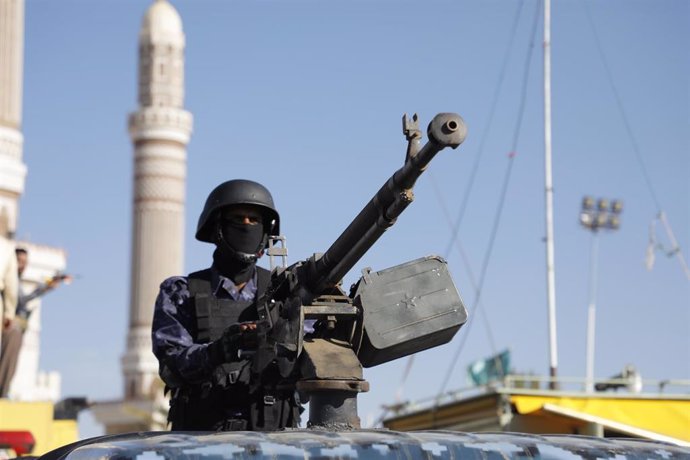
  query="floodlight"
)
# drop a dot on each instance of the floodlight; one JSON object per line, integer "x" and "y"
{"x": 614, "y": 222}
{"x": 603, "y": 204}
{"x": 587, "y": 203}
{"x": 600, "y": 220}
{"x": 586, "y": 219}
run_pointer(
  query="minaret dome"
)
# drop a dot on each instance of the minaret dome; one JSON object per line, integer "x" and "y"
{"x": 161, "y": 19}
{"x": 161, "y": 57}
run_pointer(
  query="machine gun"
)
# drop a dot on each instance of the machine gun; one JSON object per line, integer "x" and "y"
{"x": 386, "y": 315}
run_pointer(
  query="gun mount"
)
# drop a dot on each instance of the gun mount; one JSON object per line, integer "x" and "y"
{"x": 387, "y": 314}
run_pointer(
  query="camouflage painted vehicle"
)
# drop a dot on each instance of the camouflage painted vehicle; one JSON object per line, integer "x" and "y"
{"x": 361, "y": 444}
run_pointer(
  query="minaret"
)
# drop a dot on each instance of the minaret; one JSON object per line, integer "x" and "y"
{"x": 12, "y": 169}
{"x": 44, "y": 261}
{"x": 160, "y": 131}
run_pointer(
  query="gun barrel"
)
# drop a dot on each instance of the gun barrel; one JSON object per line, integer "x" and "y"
{"x": 445, "y": 130}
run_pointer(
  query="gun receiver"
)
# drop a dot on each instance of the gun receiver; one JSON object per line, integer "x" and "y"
{"x": 356, "y": 330}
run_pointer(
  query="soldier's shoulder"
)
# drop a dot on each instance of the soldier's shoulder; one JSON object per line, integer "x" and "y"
{"x": 174, "y": 292}
{"x": 174, "y": 284}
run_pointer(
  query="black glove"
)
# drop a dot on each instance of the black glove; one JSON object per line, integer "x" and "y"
{"x": 237, "y": 337}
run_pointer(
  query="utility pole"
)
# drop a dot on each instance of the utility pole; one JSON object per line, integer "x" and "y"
{"x": 548, "y": 188}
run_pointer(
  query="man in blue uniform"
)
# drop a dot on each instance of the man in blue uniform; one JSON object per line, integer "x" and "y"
{"x": 204, "y": 324}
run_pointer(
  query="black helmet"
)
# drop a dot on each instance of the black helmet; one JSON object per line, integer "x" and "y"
{"x": 237, "y": 191}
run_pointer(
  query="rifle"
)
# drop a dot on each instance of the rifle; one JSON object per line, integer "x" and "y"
{"x": 347, "y": 333}
{"x": 23, "y": 313}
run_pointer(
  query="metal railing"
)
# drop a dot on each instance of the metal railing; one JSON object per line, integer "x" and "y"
{"x": 624, "y": 387}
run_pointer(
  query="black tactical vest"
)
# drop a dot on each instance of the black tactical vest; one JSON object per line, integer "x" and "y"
{"x": 228, "y": 401}
{"x": 214, "y": 315}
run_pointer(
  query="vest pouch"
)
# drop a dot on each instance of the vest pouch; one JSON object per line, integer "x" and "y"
{"x": 272, "y": 411}
{"x": 229, "y": 374}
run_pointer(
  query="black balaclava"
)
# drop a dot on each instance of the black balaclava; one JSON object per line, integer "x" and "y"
{"x": 238, "y": 247}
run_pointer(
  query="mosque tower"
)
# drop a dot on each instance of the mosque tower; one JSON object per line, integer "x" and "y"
{"x": 29, "y": 384}
{"x": 12, "y": 169}
{"x": 160, "y": 130}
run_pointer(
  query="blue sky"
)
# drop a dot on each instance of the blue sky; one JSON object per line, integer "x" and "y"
{"x": 306, "y": 97}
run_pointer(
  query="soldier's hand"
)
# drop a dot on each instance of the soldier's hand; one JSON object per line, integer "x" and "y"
{"x": 237, "y": 337}
{"x": 245, "y": 335}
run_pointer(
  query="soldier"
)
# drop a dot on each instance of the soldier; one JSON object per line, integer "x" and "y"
{"x": 14, "y": 330}
{"x": 204, "y": 327}
{"x": 9, "y": 292}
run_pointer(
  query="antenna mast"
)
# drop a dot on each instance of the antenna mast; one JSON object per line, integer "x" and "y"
{"x": 550, "y": 272}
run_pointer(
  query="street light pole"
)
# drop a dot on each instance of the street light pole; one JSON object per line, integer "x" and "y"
{"x": 594, "y": 217}
{"x": 591, "y": 310}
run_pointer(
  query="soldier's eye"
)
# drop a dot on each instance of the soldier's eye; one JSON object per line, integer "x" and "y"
{"x": 242, "y": 220}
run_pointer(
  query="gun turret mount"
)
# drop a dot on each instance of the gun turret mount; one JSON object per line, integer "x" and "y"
{"x": 388, "y": 314}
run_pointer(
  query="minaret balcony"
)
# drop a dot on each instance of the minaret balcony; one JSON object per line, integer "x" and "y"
{"x": 164, "y": 123}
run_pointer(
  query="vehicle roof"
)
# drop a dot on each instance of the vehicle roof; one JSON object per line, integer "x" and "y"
{"x": 361, "y": 444}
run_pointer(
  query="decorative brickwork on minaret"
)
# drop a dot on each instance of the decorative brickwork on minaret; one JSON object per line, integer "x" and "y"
{"x": 160, "y": 130}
